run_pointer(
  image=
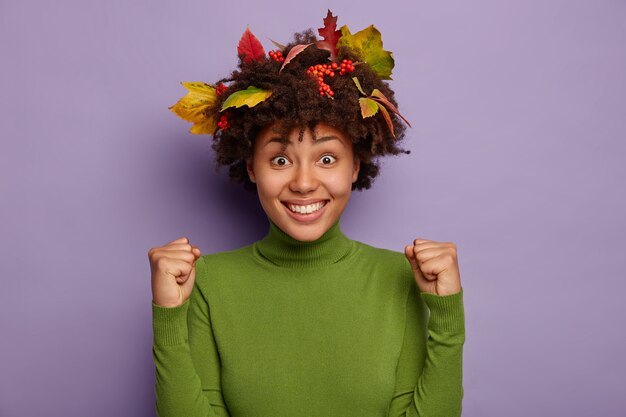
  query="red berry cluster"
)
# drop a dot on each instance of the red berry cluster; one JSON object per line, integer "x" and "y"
{"x": 277, "y": 55}
{"x": 317, "y": 72}
{"x": 346, "y": 66}
{"x": 223, "y": 122}
{"x": 219, "y": 90}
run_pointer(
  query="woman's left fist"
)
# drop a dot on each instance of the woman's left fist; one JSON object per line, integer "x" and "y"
{"x": 435, "y": 266}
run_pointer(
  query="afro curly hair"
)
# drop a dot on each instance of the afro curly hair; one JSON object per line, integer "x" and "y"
{"x": 297, "y": 103}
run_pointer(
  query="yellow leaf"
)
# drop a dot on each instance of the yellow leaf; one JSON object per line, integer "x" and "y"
{"x": 207, "y": 126}
{"x": 198, "y": 106}
{"x": 358, "y": 85}
{"x": 249, "y": 97}
{"x": 369, "y": 107}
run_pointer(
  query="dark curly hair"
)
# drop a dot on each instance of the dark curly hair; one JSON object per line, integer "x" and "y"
{"x": 296, "y": 102}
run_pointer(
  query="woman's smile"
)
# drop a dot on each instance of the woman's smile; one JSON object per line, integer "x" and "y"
{"x": 306, "y": 212}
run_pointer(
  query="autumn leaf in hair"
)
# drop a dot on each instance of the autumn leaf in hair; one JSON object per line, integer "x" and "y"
{"x": 250, "y": 47}
{"x": 367, "y": 44}
{"x": 249, "y": 97}
{"x": 292, "y": 54}
{"x": 330, "y": 35}
{"x": 376, "y": 101}
{"x": 199, "y": 107}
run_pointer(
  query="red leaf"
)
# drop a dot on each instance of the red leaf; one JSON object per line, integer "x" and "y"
{"x": 250, "y": 47}
{"x": 292, "y": 54}
{"x": 330, "y": 34}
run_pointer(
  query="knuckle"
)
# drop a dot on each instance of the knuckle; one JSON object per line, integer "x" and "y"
{"x": 161, "y": 262}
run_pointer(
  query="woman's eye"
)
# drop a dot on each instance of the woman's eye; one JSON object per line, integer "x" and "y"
{"x": 327, "y": 159}
{"x": 279, "y": 160}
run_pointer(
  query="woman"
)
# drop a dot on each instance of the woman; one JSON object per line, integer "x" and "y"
{"x": 305, "y": 322}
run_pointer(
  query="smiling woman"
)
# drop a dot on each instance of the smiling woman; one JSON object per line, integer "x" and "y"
{"x": 305, "y": 321}
{"x": 304, "y": 186}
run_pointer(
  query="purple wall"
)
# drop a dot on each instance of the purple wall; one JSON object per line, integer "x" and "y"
{"x": 518, "y": 145}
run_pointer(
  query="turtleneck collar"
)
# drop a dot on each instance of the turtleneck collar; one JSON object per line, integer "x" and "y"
{"x": 283, "y": 250}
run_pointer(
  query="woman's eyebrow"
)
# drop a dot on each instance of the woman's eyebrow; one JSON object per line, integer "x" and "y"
{"x": 286, "y": 140}
{"x": 325, "y": 138}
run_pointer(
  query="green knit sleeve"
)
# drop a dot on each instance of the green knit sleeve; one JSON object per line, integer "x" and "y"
{"x": 429, "y": 376}
{"x": 186, "y": 358}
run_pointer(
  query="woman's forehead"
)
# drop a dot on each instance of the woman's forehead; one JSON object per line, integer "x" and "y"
{"x": 289, "y": 132}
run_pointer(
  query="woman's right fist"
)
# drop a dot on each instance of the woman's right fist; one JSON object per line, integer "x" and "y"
{"x": 173, "y": 272}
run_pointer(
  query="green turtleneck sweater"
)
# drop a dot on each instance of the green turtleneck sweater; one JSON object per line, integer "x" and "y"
{"x": 333, "y": 327}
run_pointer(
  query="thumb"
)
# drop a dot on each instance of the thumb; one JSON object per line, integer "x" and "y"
{"x": 408, "y": 252}
{"x": 186, "y": 287}
{"x": 419, "y": 277}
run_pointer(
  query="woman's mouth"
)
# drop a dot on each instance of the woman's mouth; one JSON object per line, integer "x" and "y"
{"x": 305, "y": 213}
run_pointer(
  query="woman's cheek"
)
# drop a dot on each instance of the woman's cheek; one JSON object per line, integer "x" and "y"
{"x": 339, "y": 184}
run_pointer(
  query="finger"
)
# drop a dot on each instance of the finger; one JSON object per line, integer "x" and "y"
{"x": 179, "y": 240}
{"x": 424, "y": 254}
{"x": 417, "y": 272}
{"x": 423, "y": 244}
{"x": 178, "y": 246}
{"x": 433, "y": 267}
{"x": 419, "y": 240}
{"x": 176, "y": 267}
{"x": 176, "y": 255}
{"x": 409, "y": 252}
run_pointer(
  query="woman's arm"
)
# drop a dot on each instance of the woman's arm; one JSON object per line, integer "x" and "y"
{"x": 186, "y": 358}
{"x": 430, "y": 368}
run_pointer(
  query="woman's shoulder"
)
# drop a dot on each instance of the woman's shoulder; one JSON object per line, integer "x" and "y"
{"x": 379, "y": 253}
{"x": 217, "y": 269}
{"x": 384, "y": 257}
{"x": 228, "y": 256}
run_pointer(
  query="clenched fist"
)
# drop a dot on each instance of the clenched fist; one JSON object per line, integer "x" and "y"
{"x": 435, "y": 266}
{"x": 173, "y": 269}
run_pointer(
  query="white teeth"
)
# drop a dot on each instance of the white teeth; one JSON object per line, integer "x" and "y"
{"x": 306, "y": 209}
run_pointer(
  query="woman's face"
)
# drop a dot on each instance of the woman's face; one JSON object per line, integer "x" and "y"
{"x": 305, "y": 188}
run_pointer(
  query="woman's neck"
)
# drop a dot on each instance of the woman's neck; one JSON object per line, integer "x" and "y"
{"x": 283, "y": 250}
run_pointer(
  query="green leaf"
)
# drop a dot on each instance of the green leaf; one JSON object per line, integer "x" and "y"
{"x": 249, "y": 97}
{"x": 369, "y": 107}
{"x": 358, "y": 85}
{"x": 368, "y": 46}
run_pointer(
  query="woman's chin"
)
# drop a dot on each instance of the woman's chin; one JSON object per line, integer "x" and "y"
{"x": 305, "y": 232}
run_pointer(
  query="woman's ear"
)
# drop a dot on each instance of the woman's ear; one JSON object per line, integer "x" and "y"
{"x": 250, "y": 169}
{"x": 355, "y": 169}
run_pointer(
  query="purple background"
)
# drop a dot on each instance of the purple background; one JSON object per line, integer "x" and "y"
{"x": 518, "y": 152}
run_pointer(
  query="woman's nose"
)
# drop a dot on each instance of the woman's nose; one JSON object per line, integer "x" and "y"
{"x": 304, "y": 179}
